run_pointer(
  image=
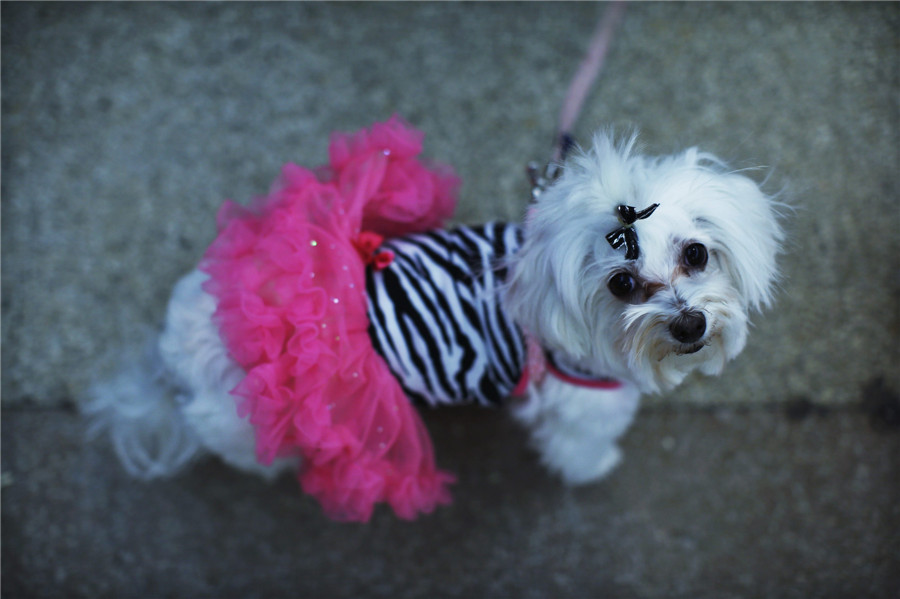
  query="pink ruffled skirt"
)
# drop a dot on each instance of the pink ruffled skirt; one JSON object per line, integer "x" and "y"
{"x": 289, "y": 276}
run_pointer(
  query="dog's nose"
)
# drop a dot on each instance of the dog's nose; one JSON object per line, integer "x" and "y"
{"x": 688, "y": 327}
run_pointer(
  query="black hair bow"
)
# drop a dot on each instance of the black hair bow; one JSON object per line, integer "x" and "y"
{"x": 626, "y": 234}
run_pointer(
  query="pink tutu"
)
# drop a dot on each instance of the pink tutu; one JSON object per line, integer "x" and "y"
{"x": 289, "y": 276}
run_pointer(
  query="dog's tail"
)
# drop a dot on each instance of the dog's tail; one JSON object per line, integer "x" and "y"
{"x": 139, "y": 407}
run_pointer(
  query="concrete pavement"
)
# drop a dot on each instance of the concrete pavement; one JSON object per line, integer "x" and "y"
{"x": 124, "y": 126}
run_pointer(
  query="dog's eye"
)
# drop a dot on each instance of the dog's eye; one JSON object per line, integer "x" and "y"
{"x": 621, "y": 284}
{"x": 695, "y": 255}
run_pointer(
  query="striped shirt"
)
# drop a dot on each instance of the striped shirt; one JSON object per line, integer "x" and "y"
{"x": 436, "y": 319}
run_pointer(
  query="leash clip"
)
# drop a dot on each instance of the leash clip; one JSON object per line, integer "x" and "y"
{"x": 553, "y": 170}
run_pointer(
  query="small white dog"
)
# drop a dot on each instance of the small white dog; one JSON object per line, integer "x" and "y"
{"x": 701, "y": 245}
{"x": 630, "y": 272}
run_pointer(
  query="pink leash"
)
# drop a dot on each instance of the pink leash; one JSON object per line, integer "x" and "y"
{"x": 581, "y": 84}
{"x": 587, "y": 73}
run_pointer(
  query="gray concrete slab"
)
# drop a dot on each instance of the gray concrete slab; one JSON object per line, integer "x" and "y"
{"x": 126, "y": 125}
{"x": 707, "y": 504}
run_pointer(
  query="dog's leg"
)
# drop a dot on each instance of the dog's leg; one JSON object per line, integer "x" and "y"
{"x": 194, "y": 354}
{"x": 171, "y": 404}
{"x": 575, "y": 428}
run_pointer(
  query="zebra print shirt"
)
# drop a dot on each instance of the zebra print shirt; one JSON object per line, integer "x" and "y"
{"x": 435, "y": 315}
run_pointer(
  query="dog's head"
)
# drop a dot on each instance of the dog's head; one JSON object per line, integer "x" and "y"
{"x": 645, "y": 268}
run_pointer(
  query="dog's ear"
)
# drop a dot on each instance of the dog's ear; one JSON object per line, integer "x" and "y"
{"x": 555, "y": 283}
{"x": 542, "y": 296}
{"x": 546, "y": 289}
{"x": 743, "y": 223}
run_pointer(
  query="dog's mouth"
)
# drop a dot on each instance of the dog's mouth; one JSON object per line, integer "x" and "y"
{"x": 690, "y": 349}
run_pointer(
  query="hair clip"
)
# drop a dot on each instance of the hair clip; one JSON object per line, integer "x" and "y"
{"x": 626, "y": 234}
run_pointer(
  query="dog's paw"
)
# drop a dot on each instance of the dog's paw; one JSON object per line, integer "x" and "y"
{"x": 607, "y": 461}
{"x": 590, "y": 467}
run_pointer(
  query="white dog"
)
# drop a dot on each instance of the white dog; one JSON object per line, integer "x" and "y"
{"x": 701, "y": 260}
{"x": 630, "y": 272}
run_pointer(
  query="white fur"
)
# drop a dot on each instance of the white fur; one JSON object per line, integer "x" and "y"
{"x": 557, "y": 292}
{"x": 193, "y": 352}
{"x": 138, "y": 408}
{"x": 576, "y": 428}
{"x": 163, "y": 417}
{"x": 558, "y": 286}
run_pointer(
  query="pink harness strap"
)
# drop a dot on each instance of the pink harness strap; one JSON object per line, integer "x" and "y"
{"x": 539, "y": 364}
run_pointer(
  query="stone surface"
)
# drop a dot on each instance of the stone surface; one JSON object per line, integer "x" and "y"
{"x": 706, "y": 504}
{"x": 125, "y": 126}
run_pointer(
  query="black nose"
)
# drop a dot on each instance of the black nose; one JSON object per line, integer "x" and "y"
{"x": 688, "y": 327}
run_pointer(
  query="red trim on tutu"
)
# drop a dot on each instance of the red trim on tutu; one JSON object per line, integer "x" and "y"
{"x": 290, "y": 283}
